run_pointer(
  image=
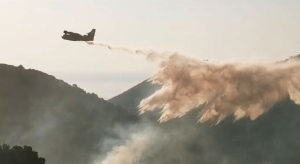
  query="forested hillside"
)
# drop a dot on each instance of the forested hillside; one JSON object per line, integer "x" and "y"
{"x": 62, "y": 122}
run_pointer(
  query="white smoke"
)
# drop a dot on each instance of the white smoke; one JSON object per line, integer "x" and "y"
{"x": 134, "y": 142}
{"x": 128, "y": 153}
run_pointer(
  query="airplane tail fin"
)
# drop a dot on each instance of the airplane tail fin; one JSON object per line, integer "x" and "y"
{"x": 91, "y": 34}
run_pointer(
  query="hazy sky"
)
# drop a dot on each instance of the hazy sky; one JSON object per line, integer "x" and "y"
{"x": 219, "y": 30}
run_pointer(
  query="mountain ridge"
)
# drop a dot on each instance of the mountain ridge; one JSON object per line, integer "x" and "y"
{"x": 63, "y": 123}
{"x": 130, "y": 98}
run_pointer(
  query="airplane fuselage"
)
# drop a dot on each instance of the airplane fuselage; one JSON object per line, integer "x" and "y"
{"x": 71, "y": 36}
{"x": 75, "y": 38}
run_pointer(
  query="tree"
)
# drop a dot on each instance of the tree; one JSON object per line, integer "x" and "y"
{"x": 19, "y": 155}
{"x": 20, "y": 66}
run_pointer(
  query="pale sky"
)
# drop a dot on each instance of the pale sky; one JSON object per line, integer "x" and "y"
{"x": 219, "y": 30}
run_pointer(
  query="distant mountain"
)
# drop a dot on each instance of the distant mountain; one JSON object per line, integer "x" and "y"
{"x": 131, "y": 98}
{"x": 270, "y": 139}
{"x": 62, "y": 122}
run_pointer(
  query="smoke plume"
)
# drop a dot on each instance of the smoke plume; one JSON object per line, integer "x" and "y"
{"x": 128, "y": 153}
{"x": 219, "y": 89}
{"x": 132, "y": 144}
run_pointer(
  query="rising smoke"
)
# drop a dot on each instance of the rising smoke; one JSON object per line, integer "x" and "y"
{"x": 220, "y": 89}
{"x": 128, "y": 153}
{"x": 131, "y": 145}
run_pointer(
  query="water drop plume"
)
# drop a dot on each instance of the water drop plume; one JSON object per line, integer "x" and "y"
{"x": 220, "y": 89}
{"x": 217, "y": 89}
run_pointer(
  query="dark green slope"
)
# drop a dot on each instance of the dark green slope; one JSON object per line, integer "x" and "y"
{"x": 62, "y": 122}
